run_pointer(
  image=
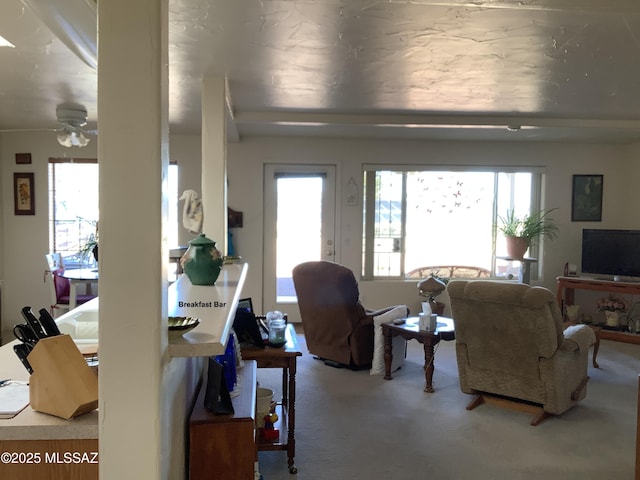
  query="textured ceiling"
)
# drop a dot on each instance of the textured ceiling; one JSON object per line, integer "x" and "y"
{"x": 561, "y": 69}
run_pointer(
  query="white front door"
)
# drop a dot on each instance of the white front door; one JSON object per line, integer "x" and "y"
{"x": 299, "y": 227}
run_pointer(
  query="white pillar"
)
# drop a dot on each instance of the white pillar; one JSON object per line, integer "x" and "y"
{"x": 133, "y": 162}
{"x": 214, "y": 161}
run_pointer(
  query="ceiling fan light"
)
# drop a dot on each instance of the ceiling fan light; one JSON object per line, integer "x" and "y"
{"x": 69, "y": 138}
{"x": 64, "y": 139}
{"x": 81, "y": 140}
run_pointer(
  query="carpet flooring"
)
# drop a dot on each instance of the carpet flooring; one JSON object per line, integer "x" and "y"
{"x": 351, "y": 425}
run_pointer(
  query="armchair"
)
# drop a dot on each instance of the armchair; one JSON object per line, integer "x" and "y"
{"x": 510, "y": 343}
{"x": 337, "y": 327}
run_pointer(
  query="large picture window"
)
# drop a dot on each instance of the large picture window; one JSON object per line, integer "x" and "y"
{"x": 443, "y": 217}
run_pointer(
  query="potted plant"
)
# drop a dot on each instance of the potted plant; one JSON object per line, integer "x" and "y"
{"x": 90, "y": 245}
{"x": 523, "y": 232}
{"x": 613, "y": 307}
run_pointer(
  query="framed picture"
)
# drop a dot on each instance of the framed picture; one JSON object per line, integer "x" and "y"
{"x": 586, "y": 198}
{"x": 23, "y": 158}
{"x": 23, "y": 194}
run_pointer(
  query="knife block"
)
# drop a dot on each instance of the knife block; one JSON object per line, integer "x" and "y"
{"x": 62, "y": 384}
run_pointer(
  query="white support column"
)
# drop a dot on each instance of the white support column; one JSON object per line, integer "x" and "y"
{"x": 133, "y": 159}
{"x": 214, "y": 161}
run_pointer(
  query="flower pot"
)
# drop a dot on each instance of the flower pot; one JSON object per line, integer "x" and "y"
{"x": 613, "y": 318}
{"x": 516, "y": 247}
{"x": 573, "y": 313}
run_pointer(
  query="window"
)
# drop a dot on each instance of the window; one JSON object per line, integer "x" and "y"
{"x": 442, "y": 217}
{"x": 74, "y": 212}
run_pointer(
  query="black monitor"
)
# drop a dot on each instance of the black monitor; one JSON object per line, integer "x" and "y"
{"x": 611, "y": 252}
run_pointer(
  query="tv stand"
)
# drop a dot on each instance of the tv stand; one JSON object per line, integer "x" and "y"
{"x": 565, "y": 295}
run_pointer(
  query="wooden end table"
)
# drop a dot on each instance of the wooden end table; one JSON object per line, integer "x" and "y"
{"x": 409, "y": 330}
{"x": 286, "y": 359}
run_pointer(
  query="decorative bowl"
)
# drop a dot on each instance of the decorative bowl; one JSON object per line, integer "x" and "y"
{"x": 178, "y": 326}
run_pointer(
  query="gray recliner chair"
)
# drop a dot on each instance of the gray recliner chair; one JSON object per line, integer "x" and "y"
{"x": 510, "y": 343}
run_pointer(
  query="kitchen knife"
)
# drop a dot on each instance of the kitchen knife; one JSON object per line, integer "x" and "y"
{"x": 22, "y": 351}
{"x": 48, "y": 323}
{"x": 33, "y": 322}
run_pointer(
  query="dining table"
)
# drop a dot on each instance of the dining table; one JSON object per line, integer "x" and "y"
{"x": 85, "y": 276}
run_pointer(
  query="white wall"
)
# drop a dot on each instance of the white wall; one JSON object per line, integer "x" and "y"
{"x": 25, "y": 239}
{"x": 22, "y": 261}
{"x": 3, "y": 339}
{"x": 561, "y": 161}
{"x": 186, "y": 150}
{"x": 26, "y": 242}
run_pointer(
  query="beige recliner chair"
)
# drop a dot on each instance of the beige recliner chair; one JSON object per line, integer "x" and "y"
{"x": 510, "y": 343}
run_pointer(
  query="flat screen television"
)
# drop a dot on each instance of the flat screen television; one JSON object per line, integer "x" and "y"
{"x": 611, "y": 252}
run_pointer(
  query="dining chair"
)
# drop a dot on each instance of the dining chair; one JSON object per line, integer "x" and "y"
{"x": 60, "y": 287}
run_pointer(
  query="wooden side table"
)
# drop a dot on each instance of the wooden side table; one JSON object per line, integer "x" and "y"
{"x": 409, "y": 330}
{"x": 286, "y": 359}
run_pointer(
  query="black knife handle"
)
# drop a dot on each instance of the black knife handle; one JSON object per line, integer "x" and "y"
{"x": 33, "y": 322}
{"x": 48, "y": 323}
{"x": 22, "y": 351}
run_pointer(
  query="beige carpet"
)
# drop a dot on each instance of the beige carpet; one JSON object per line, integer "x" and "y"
{"x": 351, "y": 425}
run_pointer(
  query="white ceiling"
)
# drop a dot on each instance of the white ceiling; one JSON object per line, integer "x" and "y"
{"x": 561, "y": 69}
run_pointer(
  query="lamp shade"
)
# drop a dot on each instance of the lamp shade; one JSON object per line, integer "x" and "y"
{"x": 431, "y": 285}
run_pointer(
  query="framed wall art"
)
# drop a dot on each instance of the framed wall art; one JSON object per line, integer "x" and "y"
{"x": 23, "y": 158}
{"x": 586, "y": 198}
{"x": 23, "y": 194}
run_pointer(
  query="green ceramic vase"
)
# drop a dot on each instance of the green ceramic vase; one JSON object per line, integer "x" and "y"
{"x": 202, "y": 262}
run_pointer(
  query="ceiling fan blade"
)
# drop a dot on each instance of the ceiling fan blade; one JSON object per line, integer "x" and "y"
{"x": 18, "y": 130}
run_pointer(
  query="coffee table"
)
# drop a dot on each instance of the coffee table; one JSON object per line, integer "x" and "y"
{"x": 409, "y": 330}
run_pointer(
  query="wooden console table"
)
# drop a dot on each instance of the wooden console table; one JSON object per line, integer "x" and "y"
{"x": 223, "y": 446}
{"x": 286, "y": 359}
{"x": 565, "y": 295}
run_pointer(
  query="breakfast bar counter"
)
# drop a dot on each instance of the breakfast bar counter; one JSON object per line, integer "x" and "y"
{"x": 36, "y": 445}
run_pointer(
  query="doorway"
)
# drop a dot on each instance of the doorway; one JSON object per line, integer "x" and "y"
{"x": 299, "y": 227}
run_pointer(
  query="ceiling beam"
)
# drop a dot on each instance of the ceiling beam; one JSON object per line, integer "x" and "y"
{"x": 430, "y": 121}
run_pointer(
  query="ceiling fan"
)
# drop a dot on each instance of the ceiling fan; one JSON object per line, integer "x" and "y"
{"x": 71, "y": 118}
